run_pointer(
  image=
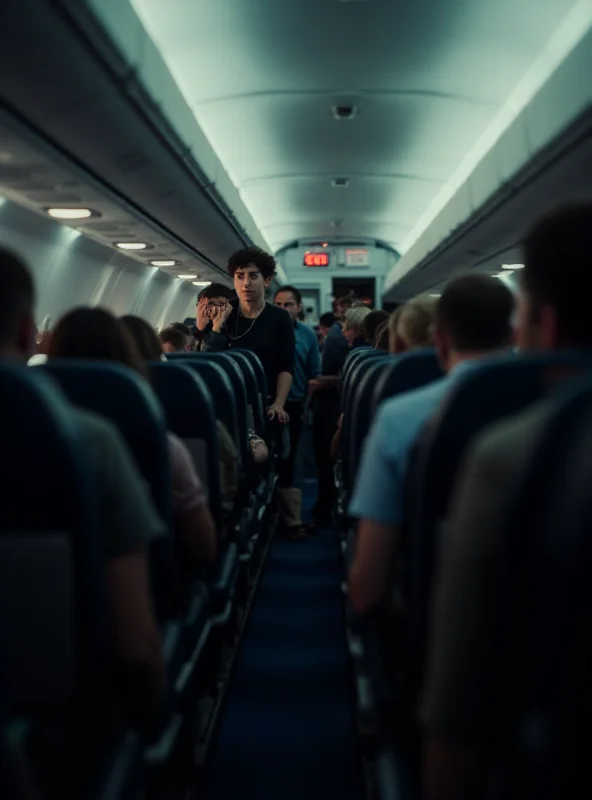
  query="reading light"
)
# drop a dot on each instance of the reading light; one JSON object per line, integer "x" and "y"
{"x": 131, "y": 245}
{"x": 512, "y": 266}
{"x": 202, "y": 283}
{"x": 69, "y": 213}
{"x": 163, "y": 263}
{"x": 186, "y": 277}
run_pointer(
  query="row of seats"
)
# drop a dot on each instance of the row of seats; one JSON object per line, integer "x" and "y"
{"x": 496, "y": 388}
{"x": 55, "y": 639}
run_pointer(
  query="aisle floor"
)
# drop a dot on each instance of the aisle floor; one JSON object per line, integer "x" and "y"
{"x": 288, "y": 727}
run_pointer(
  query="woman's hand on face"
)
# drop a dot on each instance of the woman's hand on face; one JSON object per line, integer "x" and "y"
{"x": 219, "y": 316}
{"x": 276, "y": 411}
{"x": 203, "y": 314}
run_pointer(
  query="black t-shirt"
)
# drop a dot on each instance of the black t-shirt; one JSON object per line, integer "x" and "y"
{"x": 270, "y": 336}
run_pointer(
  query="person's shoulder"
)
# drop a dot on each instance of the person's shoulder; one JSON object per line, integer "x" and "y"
{"x": 415, "y": 401}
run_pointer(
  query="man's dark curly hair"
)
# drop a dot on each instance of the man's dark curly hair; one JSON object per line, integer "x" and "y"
{"x": 264, "y": 262}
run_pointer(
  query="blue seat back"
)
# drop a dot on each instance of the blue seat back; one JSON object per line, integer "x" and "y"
{"x": 221, "y": 391}
{"x": 127, "y": 400}
{"x": 351, "y": 381}
{"x": 490, "y": 390}
{"x": 358, "y": 417}
{"x": 52, "y": 588}
{"x": 354, "y": 357}
{"x": 404, "y": 373}
{"x": 255, "y": 362}
{"x": 190, "y": 414}
{"x": 235, "y": 375}
{"x": 252, "y": 385}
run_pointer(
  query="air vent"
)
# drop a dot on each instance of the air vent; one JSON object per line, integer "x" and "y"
{"x": 344, "y": 111}
{"x": 340, "y": 183}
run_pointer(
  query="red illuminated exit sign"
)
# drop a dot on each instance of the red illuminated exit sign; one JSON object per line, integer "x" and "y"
{"x": 316, "y": 259}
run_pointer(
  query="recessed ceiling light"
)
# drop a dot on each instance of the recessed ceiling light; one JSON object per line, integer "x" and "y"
{"x": 70, "y": 213}
{"x": 512, "y": 266}
{"x": 163, "y": 263}
{"x": 131, "y": 245}
{"x": 435, "y": 295}
{"x": 186, "y": 277}
{"x": 202, "y": 283}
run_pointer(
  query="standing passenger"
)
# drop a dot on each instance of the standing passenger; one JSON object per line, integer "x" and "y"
{"x": 249, "y": 323}
{"x": 307, "y": 365}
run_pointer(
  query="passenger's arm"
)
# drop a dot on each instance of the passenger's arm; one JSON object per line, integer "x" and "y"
{"x": 193, "y": 522}
{"x": 284, "y": 384}
{"x": 196, "y": 530}
{"x": 286, "y": 351}
{"x": 377, "y": 503}
{"x": 376, "y": 545}
{"x": 324, "y": 382}
{"x": 136, "y": 636}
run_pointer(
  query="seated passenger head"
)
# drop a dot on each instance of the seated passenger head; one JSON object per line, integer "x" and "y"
{"x": 370, "y": 324}
{"x": 326, "y": 322}
{"x": 95, "y": 334}
{"x": 411, "y": 326}
{"x": 252, "y": 270}
{"x": 290, "y": 299}
{"x": 145, "y": 337}
{"x": 382, "y": 337}
{"x": 473, "y": 318}
{"x": 17, "y": 308}
{"x": 352, "y": 326}
{"x": 217, "y": 296}
{"x": 180, "y": 326}
{"x": 554, "y": 307}
{"x": 173, "y": 340}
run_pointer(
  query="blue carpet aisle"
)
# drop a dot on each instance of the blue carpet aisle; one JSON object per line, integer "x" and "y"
{"x": 288, "y": 728}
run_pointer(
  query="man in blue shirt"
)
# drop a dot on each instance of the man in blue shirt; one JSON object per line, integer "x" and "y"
{"x": 307, "y": 365}
{"x": 473, "y": 319}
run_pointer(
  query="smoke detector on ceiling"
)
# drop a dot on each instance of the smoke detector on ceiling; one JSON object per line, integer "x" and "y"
{"x": 344, "y": 111}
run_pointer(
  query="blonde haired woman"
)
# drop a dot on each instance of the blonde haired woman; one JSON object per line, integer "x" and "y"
{"x": 412, "y": 326}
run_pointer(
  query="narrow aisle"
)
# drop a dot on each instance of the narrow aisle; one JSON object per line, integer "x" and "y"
{"x": 288, "y": 730}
